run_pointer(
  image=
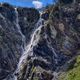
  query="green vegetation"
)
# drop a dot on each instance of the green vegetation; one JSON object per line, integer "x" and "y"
{"x": 74, "y": 73}
{"x": 35, "y": 78}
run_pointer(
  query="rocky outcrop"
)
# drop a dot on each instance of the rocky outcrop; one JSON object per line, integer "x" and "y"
{"x": 14, "y": 22}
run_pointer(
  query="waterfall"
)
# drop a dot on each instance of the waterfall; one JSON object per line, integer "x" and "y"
{"x": 19, "y": 29}
{"x": 2, "y": 16}
{"x": 29, "y": 48}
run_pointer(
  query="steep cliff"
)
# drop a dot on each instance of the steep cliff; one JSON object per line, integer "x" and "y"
{"x": 38, "y": 49}
{"x": 53, "y": 45}
{"x": 15, "y": 30}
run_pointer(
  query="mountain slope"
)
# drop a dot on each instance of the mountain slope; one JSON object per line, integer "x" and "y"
{"x": 53, "y": 44}
{"x": 47, "y": 47}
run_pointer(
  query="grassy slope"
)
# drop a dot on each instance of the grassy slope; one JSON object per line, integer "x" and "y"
{"x": 72, "y": 74}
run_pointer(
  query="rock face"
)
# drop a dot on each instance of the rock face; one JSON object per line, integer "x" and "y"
{"x": 14, "y": 22}
{"x": 28, "y": 17}
{"x": 40, "y": 48}
{"x": 52, "y": 45}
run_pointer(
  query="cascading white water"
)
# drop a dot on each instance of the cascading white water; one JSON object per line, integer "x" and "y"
{"x": 34, "y": 40}
{"x": 35, "y": 37}
{"x": 2, "y": 16}
{"x": 28, "y": 50}
{"x": 18, "y": 26}
{"x": 23, "y": 40}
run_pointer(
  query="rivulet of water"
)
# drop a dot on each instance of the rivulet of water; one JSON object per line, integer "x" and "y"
{"x": 29, "y": 48}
